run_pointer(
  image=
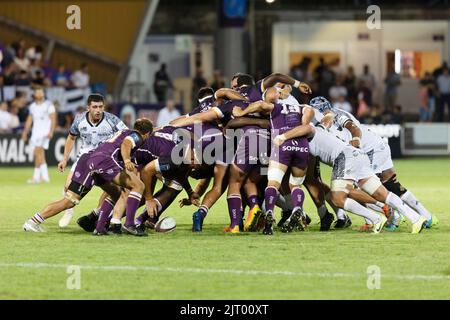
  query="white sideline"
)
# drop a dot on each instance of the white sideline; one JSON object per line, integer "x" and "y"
{"x": 225, "y": 271}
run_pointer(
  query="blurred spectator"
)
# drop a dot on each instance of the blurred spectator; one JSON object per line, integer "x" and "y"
{"x": 5, "y": 118}
{"x": 161, "y": 84}
{"x": 350, "y": 85}
{"x": 424, "y": 109}
{"x": 10, "y": 75}
{"x": 2, "y": 84}
{"x": 438, "y": 71}
{"x": 61, "y": 78}
{"x": 343, "y": 104}
{"x": 430, "y": 82}
{"x": 80, "y": 78}
{"x": 34, "y": 53}
{"x": 363, "y": 108}
{"x": 368, "y": 79}
{"x": 326, "y": 79}
{"x": 167, "y": 114}
{"x": 397, "y": 116}
{"x": 374, "y": 115}
{"x": 218, "y": 81}
{"x": 23, "y": 79}
{"x": 20, "y": 102}
{"x": 21, "y": 60}
{"x": 198, "y": 82}
{"x": 338, "y": 89}
{"x": 14, "y": 112}
{"x": 301, "y": 72}
{"x": 392, "y": 82}
{"x": 443, "y": 86}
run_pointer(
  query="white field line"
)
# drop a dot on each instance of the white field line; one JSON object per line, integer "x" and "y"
{"x": 223, "y": 271}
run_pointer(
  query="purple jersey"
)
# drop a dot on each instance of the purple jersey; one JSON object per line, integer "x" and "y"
{"x": 111, "y": 147}
{"x": 252, "y": 93}
{"x": 225, "y": 110}
{"x": 159, "y": 144}
{"x": 285, "y": 117}
{"x": 204, "y": 105}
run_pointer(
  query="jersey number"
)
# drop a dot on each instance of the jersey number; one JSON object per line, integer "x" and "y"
{"x": 290, "y": 109}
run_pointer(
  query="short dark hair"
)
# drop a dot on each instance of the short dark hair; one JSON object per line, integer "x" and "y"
{"x": 245, "y": 80}
{"x": 95, "y": 97}
{"x": 143, "y": 125}
{"x": 205, "y": 92}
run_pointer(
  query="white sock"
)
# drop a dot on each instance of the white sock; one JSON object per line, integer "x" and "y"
{"x": 395, "y": 202}
{"x": 36, "y": 174}
{"x": 115, "y": 221}
{"x": 340, "y": 214}
{"x": 374, "y": 207}
{"x": 414, "y": 203}
{"x": 354, "y": 207}
{"x": 44, "y": 172}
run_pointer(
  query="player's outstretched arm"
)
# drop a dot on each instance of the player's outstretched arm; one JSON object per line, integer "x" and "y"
{"x": 246, "y": 121}
{"x": 229, "y": 94}
{"x": 271, "y": 80}
{"x": 299, "y": 131}
{"x": 308, "y": 115}
{"x": 53, "y": 125}
{"x": 207, "y": 116}
{"x": 258, "y": 106}
{"x": 68, "y": 146}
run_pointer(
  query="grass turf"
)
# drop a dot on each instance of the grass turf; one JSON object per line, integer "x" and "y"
{"x": 214, "y": 265}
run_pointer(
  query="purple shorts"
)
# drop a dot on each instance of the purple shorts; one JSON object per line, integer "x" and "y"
{"x": 253, "y": 150}
{"x": 292, "y": 153}
{"x": 96, "y": 169}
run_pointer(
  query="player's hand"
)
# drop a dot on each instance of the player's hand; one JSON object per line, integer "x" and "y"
{"x": 327, "y": 120}
{"x": 130, "y": 166}
{"x": 355, "y": 143}
{"x": 152, "y": 208}
{"x": 237, "y": 112}
{"x": 304, "y": 88}
{"x": 195, "y": 199}
{"x": 184, "y": 202}
{"x": 62, "y": 165}
{"x": 279, "y": 140}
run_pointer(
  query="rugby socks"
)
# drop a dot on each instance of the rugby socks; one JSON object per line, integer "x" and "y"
{"x": 374, "y": 207}
{"x": 37, "y": 219}
{"x": 133, "y": 202}
{"x": 354, "y": 207}
{"x": 322, "y": 211}
{"x": 414, "y": 203}
{"x": 44, "y": 172}
{"x": 203, "y": 210}
{"x": 142, "y": 218}
{"x": 234, "y": 209}
{"x": 298, "y": 196}
{"x": 252, "y": 201}
{"x": 37, "y": 174}
{"x": 397, "y": 203}
{"x": 270, "y": 197}
{"x": 105, "y": 210}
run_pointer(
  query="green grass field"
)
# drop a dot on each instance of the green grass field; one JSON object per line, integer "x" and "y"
{"x": 214, "y": 265}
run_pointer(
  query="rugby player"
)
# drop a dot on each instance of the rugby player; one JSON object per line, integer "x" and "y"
{"x": 42, "y": 122}
{"x": 109, "y": 166}
{"x": 92, "y": 127}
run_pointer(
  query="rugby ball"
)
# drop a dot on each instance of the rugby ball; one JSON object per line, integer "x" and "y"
{"x": 166, "y": 224}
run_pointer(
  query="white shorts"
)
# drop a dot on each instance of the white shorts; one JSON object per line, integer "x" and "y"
{"x": 380, "y": 158}
{"x": 352, "y": 164}
{"x": 41, "y": 141}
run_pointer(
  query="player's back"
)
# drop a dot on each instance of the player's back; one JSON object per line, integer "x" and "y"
{"x": 113, "y": 144}
{"x": 285, "y": 117}
{"x": 252, "y": 93}
{"x": 326, "y": 145}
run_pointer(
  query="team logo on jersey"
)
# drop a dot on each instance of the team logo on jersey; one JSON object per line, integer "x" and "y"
{"x": 77, "y": 174}
{"x": 110, "y": 171}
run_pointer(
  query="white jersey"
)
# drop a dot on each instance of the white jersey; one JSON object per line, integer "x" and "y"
{"x": 369, "y": 139}
{"x": 40, "y": 112}
{"x": 290, "y": 100}
{"x": 92, "y": 135}
{"x": 326, "y": 146}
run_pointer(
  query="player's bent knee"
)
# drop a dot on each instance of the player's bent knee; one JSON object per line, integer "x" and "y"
{"x": 340, "y": 186}
{"x": 394, "y": 186}
{"x": 371, "y": 185}
{"x": 296, "y": 181}
{"x": 71, "y": 199}
{"x": 275, "y": 174}
{"x": 338, "y": 198}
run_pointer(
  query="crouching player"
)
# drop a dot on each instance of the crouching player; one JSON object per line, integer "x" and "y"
{"x": 109, "y": 166}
